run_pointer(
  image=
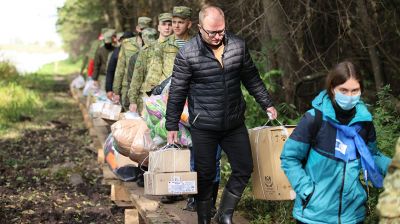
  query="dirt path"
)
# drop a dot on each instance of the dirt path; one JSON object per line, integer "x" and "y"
{"x": 48, "y": 175}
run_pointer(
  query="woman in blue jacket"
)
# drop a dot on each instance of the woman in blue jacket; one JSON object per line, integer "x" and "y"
{"x": 324, "y": 166}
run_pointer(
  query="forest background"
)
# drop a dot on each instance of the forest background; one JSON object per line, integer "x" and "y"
{"x": 293, "y": 43}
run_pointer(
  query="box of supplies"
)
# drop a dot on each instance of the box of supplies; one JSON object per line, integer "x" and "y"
{"x": 111, "y": 111}
{"x": 269, "y": 180}
{"x": 170, "y": 183}
{"x": 169, "y": 160}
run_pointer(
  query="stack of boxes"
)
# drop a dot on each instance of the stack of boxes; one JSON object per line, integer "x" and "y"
{"x": 169, "y": 173}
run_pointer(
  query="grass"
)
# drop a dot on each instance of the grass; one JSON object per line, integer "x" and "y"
{"x": 29, "y": 99}
{"x": 65, "y": 67}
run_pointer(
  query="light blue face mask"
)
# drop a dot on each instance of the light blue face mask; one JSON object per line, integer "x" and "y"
{"x": 346, "y": 102}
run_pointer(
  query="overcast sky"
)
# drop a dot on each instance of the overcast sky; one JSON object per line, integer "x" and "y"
{"x": 37, "y": 25}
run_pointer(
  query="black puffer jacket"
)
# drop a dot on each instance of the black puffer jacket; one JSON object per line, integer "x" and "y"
{"x": 215, "y": 98}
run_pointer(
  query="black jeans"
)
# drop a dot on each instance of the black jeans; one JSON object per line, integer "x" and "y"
{"x": 236, "y": 145}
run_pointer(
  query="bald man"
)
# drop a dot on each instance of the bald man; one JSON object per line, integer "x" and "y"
{"x": 208, "y": 71}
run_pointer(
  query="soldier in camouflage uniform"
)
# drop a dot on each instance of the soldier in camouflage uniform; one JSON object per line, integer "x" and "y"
{"x": 162, "y": 62}
{"x": 143, "y": 62}
{"x": 149, "y": 36}
{"x": 129, "y": 47}
{"x": 389, "y": 201}
{"x": 88, "y": 60}
{"x": 101, "y": 58}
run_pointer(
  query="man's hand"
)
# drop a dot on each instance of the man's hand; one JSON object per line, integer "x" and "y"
{"x": 116, "y": 98}
{"x": 272, "y": 113}
{"x": 172, "y": 137}
{"x": 133, "y": 107}
{"x": 110, "y": 95}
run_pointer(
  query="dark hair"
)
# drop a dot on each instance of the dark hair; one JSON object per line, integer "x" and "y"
{"x": 340, "y": 74}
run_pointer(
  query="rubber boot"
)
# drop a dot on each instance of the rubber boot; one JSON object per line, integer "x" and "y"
{"x": 226, "y": 207}
{"x": 214, "y": 200}
{"x": 204, "y": 212}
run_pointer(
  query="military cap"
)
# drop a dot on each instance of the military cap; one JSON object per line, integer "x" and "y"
{"x": 165, "y": 17}
{"x": 149, "y": 34}
{"x": 182, "y": 12}
{"x": 144, "y": 22}
{"x": 108, "y": 35}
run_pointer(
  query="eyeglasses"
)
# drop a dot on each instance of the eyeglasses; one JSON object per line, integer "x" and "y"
{"x": 212, "y": 34}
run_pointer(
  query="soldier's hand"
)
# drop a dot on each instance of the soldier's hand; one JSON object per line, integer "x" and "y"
{"x": 110, "y": 95}
{"x": 133, "y": 107}
{"x": 172, "y": 137}
{"x": 116, "y": 98}
{"x": 272, "y": 113}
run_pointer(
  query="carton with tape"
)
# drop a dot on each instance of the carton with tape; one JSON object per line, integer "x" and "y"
{"x": 169, "y": 160}
{"x": 111, "y": 111}
{"x": 269, "y": 180}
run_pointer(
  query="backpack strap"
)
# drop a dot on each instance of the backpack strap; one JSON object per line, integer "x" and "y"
{"x": 316, "y": 126}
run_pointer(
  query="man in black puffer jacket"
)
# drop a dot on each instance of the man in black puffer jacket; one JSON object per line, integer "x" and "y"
{"x": 208, "y": 71}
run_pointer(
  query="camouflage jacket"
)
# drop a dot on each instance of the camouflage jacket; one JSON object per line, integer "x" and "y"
{"x": 100, "y": 61}
{"x": 161, "y": 64}
{"x": 140, "y": 72}
{"x": 128, "y": 48}
{"x": 389, "y": 200}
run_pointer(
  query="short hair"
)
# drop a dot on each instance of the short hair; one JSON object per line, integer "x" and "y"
{"x": 340, "y": 74}
{"x": 204, "y": 12}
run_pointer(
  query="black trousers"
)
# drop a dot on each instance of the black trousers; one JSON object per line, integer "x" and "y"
{"x": 236, "y": 145}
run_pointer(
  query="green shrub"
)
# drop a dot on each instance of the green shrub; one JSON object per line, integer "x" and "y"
{"x": 8, "y": 72}
{"x": 17, "y": 102}
{"x": 386, "y": 121}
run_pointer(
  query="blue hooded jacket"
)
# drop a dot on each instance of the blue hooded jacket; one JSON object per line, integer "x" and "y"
{"x": 328, "y": 189}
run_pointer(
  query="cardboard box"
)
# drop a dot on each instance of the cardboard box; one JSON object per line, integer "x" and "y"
{"x": 269, "y": 180}
{"x": 96, "y": 108}
{"x": 169, "y": 161}
{"x": 170, "y": 183}
{"x": 111, "y": 111}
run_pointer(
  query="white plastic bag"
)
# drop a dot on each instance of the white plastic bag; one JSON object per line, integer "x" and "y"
{"x": 78, "y": 82}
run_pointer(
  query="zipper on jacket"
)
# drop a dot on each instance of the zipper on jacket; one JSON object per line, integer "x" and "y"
{"x": 225, "y": 91}
{"x": 341, "y": 194}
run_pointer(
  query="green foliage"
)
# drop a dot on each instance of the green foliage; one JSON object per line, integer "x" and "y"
{"x": 255, "y": 116}
{"x": 17, "y": 102}
{"x": 386, "y": 121}
{"x": 79, "y": 22}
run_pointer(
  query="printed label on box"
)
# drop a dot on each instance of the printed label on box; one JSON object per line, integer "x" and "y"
{"x": 178, "y": 187}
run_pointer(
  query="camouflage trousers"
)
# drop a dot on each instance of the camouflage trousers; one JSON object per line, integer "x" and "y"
{"x": 389, "y": 200}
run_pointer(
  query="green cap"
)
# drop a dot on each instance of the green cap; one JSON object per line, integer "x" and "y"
{"x": 149, "y": 34}
{"x": 108, "y": 35}
{"x": 182, "y": 12}
{"x": 165, "y": 17}
{"x": 144, "y": 22}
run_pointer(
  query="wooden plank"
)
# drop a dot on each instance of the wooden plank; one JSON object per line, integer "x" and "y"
{"x": 131, "y": 216}
{"x": 119, "y": 193}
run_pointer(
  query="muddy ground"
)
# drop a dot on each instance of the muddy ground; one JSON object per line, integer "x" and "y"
{"x": 48, "y": 172}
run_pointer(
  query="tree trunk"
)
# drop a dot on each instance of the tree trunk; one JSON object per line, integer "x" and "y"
{"x": 367, "y": 26}
{"x": 285, "y": 55}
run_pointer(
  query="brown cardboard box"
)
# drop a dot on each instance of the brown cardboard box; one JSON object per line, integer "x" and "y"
{"x": 111, "y": 111}
{"x": 169, "y": 160}
{"x": 96, "y": 108}
{"x": 170, "y": 183}
{"x": 269, "y": 180}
